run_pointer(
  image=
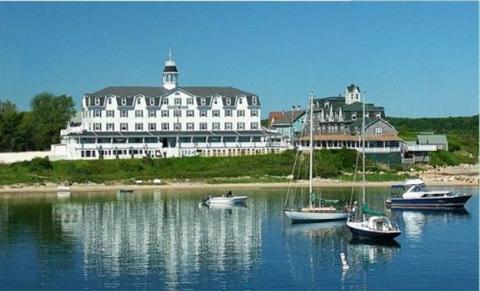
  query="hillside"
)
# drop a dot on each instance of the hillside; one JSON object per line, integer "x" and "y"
{"x": 462, "y": 134}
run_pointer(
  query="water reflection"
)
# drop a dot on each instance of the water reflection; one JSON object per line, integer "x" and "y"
{"x": 415, "y": 221}
{"x": 136, "y": 235}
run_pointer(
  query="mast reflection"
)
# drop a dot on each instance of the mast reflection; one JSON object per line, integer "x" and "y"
{"x": 161, "y": 235}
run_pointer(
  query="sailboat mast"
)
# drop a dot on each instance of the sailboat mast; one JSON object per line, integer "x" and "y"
{"x": 363, "y": 150}
{"x": 311, "y": 151}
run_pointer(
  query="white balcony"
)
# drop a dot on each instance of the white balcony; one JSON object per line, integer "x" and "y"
{"x": 421, "y": 148}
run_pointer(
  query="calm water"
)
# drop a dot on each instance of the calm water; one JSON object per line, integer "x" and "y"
{"x": 163, "y": 240}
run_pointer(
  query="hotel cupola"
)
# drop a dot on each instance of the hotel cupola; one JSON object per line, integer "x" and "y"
{"x": 170, "y": 73}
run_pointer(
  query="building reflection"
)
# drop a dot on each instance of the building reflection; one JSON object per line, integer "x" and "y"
{"x": 167, "y": 235}
{"x": 415, "y": 220}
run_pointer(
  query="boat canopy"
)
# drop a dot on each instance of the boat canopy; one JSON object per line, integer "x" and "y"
{"x": 367, "y": 210}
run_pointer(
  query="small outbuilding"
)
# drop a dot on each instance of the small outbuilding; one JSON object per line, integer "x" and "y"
{"x": 440, "y": 140}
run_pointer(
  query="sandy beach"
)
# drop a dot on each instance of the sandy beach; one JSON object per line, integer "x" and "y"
{"x": 87, "y": 188}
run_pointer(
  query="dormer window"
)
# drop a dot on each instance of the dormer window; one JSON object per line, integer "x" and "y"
{"x": 229, "y": 101}
{"x": 139, "y": 101}
{"x": 165, "y": 101}
{"x": 215, "y": 101}
{"x": 110, "y": 100}
{"x": 254, "y": 100}
{"x": 124, "y": 101}
{"x": 97, "y": 101}
{"x": 240, "y": 101}
{"x": 203, "y": 101}
{"x": 152, "y": 101}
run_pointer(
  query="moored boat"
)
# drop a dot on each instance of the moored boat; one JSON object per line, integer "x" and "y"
{"x": 418, "y": 196}
{"x": 228, "y": 199}
{"x": 319, "y": 212}
{"x": 364, "y": 223}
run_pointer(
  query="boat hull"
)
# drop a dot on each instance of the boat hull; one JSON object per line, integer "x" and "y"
{"x": 226, "y": 200}
{"x": 364, "y": 233}
{"x": 457, "y": 201}
{"x": 306, "y": 217}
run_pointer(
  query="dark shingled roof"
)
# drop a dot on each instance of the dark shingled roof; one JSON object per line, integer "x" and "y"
{"x": 357, "y": 106}
{"x": 169, "y": 69}
{"x": 352, "y": 87}
{"x": 131, "y": 91}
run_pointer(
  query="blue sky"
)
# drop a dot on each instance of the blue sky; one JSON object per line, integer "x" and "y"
{"x": 415, "y": 59}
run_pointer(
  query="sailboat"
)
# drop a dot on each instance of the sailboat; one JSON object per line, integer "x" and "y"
{"x": 377, "y": 226}
{"x": 313, "y": 213}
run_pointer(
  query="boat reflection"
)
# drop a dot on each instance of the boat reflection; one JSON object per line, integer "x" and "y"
{"x": 322, "y": 229}
{"x": 415, "y": 220}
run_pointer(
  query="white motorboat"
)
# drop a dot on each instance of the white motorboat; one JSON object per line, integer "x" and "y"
{"x": 418, "y": 196}
{"x": 313, "y": 213}
{"x": 225, "y": 200}
{"x": 63, "y": 191}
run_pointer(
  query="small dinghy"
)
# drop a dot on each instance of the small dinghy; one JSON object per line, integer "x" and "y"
{"x": 228, "y": 199}
{"x": 63, "y": 191}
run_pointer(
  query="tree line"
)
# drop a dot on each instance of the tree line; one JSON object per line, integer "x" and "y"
{"x": 37, "y": 129}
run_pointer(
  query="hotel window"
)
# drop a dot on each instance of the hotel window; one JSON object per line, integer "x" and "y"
{"x": 216, "y": 126}
{"x": 241, "y": 125}
{"x": 97, "y": 127}
{"x": 228, "y": 126}
{"x": 152, "y": 101}
{"x": 97, "y": 101}
{"x": 165, "y": 101}
{"x": 138, "y": 126}
{"x": 123, "y": 113}
{"x": 110, "y": 126}
{"x": 165, "y": 126}
{"x": 189, "y": 101}
{"x": 110, "y": 113}
{"x": 241, "y": 113}
{"x": 152, "y": 126}
{"x": 254, "y": 100}
{"x": 152, "y": 113}
{"x": 354, "y": 116}
{"x": 378, "y": 115}
{"x": 97, "y": 113}
{"x": 228, "y": 112}
{"x": 203, "y": 101}
{"x": 229, "y": 101}
{"x": 203, "y": 126}
{"x": 139, "y": 101}
{"x": 177, "y": 113}
{"x": 215, "y": 101}
{"x": 138, "y": 113}
{"x": 178, "y": 101}
{"x": 203, "y": 113}
{"x": 177, "y": 126}
{"x": 254, "y": 125}
{"x": 190, "y": 113}
{"x": 254, "y": 112}
{"x": 378, "y": 131}
{"x": 124, "y": 126}
{"x": 240, "y": 100}
{"x": 164, "y": 113}
{"x": 124, "y": 101}
{"x": 190, "y": 126}
{"x": 216, "y": 113}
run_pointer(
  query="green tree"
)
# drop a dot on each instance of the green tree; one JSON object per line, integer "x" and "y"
{"x": 50, "y": 114}
{"x": 10, "y": 118}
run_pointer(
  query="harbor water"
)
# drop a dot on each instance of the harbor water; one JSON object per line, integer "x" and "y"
{"x": 166, "y": 240}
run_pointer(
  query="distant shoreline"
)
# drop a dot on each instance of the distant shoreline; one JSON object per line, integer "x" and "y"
{"x": 83, "y": 188}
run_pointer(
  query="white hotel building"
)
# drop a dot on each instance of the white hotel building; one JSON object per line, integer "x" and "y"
{"x": 167, "y": 121}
